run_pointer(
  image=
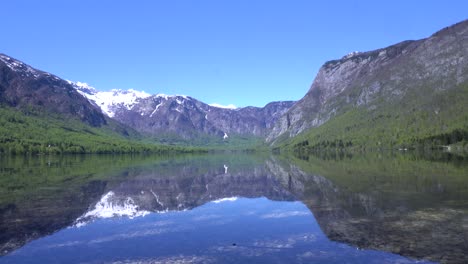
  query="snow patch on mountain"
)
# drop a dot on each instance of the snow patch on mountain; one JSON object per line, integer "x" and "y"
{"x": 229, "y": 106}
{"x": 21, "y": 67}
{"x": 228, "y": 199}
{"x": 155, "y": 109}
{"x": 83, "y": 88}
{"x": 167, "y": 97}
{"x": 351, "y": 54}
{"x": 110, "y": 100}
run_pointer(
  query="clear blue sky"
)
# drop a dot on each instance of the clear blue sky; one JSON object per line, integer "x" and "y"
{"x": 243, "y": 52}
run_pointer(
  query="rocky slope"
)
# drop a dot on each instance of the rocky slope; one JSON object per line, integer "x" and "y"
{"x": 23, "y": 87}
{"x": 42, "y": 113}
{"x": 411, "y": 78}
{"x": 26, "y": 90}
{"x": 181, "y": 115}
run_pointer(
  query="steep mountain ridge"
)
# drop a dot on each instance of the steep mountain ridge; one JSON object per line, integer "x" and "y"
{"x": 182, "y": 115}
{"x": 22, "y": 86}
{"x": 409, "y": 85}
{"x": 109, "y": 101}
{"x": 40, "y": 108}
{"x": 42, "y": 113}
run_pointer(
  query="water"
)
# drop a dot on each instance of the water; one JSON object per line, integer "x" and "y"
{"x": 373, "y": 208}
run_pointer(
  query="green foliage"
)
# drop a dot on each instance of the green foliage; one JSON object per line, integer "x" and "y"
{"x": 425, "y": 119}
{"x": 33, "y": 132}
{"x": 232, "y": 143}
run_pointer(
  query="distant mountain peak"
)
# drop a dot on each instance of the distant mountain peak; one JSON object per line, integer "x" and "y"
{"x": 168, "y": 117}
{"x": 180, "y": 114}
{"x": 229, "y": 106}
{"x": 167, "y": 96}
{"x": 111, "y": 100}
{"x": 83, "y": 87}
{"x": 351, "y": 54}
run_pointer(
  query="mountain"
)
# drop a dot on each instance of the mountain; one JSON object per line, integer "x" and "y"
{"x": 42, "y": 113}
{"x": 22, "y": 86}
{"x": 183, "y": 116}
{"x": 410, "y": 93}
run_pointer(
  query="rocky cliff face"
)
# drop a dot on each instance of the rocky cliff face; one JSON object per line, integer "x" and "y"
{"x": 184, "y": 116}
{"x": 388, "y": 76}
{"x": 24, "y": 87}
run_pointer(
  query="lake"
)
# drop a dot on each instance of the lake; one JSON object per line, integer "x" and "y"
{"x": 234, "y": 208}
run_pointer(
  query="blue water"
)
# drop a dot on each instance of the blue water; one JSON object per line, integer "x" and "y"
{"x": 239, "y": 231}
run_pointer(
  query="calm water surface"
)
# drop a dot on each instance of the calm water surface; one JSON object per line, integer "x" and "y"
{"x": 374, "y": 208}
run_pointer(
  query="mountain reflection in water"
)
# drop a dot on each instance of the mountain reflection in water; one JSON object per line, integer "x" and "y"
{"x": 234, "y": 208}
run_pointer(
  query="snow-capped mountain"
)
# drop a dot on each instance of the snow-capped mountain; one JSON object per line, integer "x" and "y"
{"x": 112, "y": 101}
{"x": 109, "y": 101}
{"x": 159, "y": 115}
{"x": 182, "y": 115}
